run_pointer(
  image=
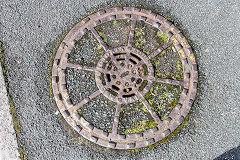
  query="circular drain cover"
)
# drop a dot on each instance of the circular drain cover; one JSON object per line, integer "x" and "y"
{"x": 125, "y": 74}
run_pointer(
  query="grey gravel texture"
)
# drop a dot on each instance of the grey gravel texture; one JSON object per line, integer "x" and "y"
{"x": 168, "y": 65}
{"x": 131, "y": 117}
{"x": 87, "y": 51}
{"x": 100, "y": 112}
{"x": 30, "y": 30}
{"x": 116, "y": 32}
{"x": 80, "y": 84}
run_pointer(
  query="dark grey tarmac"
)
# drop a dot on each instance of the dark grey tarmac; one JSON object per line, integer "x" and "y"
{"x": 31, "y": 29}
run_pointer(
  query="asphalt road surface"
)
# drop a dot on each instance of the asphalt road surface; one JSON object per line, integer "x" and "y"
{"x": 31, "y": 29}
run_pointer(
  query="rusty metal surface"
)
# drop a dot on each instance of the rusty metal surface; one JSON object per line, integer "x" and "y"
{"x": 113, "y": 75}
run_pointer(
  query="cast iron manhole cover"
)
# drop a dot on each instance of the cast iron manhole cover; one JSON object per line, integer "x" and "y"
{"x": 127, "y": 74}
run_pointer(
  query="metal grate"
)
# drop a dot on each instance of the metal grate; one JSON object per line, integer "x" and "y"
{"x": 124, "y": 75}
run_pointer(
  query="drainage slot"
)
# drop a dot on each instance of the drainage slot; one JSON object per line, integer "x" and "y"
{"x": 139, "y": 81}
{"x": 112, "y": 92}
{"x": 60, "y": 96}
{"x": 58, "y": 61}
{"x": 136, "y": 56}
{"x": 132, "y": 61}
{"x": 124, "y": 74}
{"x": 117, "y": 54}
{"x": 129, "y": 95}
{"x": 108, "y": 77}
{"x": 120, "y": 59}
{"x": 143, "y": 85}
{"x": 109, "y": 67}
{"x": 57, "y": 79}
{"x": 145, "y": 69}
{"x": 115, "y": 88}
{"x": 103, "y": 79}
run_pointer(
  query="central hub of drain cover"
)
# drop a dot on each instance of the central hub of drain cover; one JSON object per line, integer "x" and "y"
{"x": 147, "y": 64}
{"x": 122, "y": 73}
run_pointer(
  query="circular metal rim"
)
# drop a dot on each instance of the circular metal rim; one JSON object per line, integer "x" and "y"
{"x": 114, "y": 140}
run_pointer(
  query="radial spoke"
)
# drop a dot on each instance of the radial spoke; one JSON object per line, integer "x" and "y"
{"x": 116, "y": 119}
{"x": 127, "y": 58}
{"x": 169, "y": 81}
{"x": 150, "y": 109}
{"x": 160, "y": 49}
{"x": 131, "y": 34}
{"x": 95, "y": 33}
{"x": 80, "y": 67}
{"x": 86, "y": 100}
{"x": 102, "y": 70}
{"x": 116, "y": 62}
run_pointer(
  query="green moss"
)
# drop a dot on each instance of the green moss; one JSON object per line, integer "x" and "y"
{"x": 80, "y": 112}
{"x": 17, "y": 127}
{"x": 162, "y": 37}
{"x": 143, "y": 85}
{"x": 115, "y": 22}
{"x": 16, "y": 123}
{"x": 174, "y": 103}
{"x": 141, "y": 127}
{"x": 147, "y": 52}
{"x": 96, "y": 11}
{"x": 180, "y": 68}
{"x": 144, "y": 109}
{"x": 4, "y": 67}
{"x": 103, "y": 36}
{"x": 138, "y": 6}
{"x": 164, "y": 118}
{"x": 139, "y": 36}
{"x": 169, "y": 18}
{"x": 163, "y": 98}
{"x": 150, "y": 101}
{"x": 118, "y": 5}
{"x": 145, "y": 68}
{"x": 172, "y": 135}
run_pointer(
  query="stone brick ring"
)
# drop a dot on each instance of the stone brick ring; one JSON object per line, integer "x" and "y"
{"x": 124, "y": 75}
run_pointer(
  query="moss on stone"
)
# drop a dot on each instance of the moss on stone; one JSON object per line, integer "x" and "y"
{"x": 16, "y": 123}
{"x": 172, "y": 135}
{"x": 139, "y": 35}
{"x": 163, "y": 98}
{"x": 147, "y": 52}
{"x": 141, "y": 127}
{"x": 118, "y": 5}
{"x": 80, "y": 112}
{"x": 103, "y": 36}
{"x": 96, "y": 11}
{"x": 162, "y": 37}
